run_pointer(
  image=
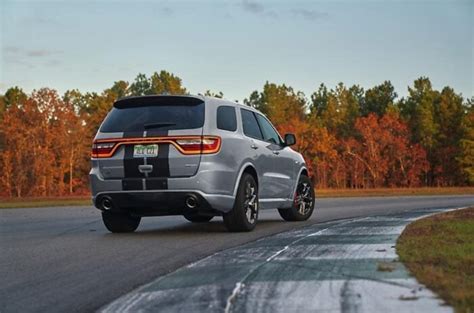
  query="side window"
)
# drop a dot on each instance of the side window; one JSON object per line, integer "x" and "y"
{"x": 250, "y": 125}
{"x": 269, "y": 133}
{"x": 226, "y": 118}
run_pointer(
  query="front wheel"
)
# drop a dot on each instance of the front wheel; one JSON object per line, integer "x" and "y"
{"x": 120, "y": 222}
{"x": 244, "y": 215}
{"x": 303, "y": 203}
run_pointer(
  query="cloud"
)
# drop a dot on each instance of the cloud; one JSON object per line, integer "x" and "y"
{"x": 39, "y": 20}
{"x": 11, "y": 49}
{"x": 310, "y": 15}
{"x": 167, "y": 10}
{"x": 29, "y": 57}
{"x": 257, "y": 9}
{"x": 252, "y": 7}
{"x": 53, "y": 62}
{"x": 22, "y": 52}
{"x": 40, "y": 53}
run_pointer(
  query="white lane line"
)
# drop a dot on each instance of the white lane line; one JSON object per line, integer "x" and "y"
{"x": 209, "y": 298}
{"x": 293, "y": 243}
{"x": 238, "y": 287}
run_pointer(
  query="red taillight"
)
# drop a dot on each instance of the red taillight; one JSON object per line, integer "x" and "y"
{"x": 105, "y": 148}
{"x": 102, "y": 149}
{"x": 204, "y": 145}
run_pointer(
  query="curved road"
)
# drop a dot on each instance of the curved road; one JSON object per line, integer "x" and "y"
{"x": 63, "y": 259}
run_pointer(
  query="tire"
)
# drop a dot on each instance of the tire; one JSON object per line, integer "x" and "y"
{"x": 244, "y": 214}
{"x": 120, "y": 222}
{"x": 196, "y": 218}
{"x": 303, "y": 204}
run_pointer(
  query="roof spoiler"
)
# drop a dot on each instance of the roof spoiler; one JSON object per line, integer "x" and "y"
{"x": 129, "y": 102}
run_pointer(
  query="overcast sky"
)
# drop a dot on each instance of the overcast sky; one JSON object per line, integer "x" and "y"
{"x": 235, "y": 46}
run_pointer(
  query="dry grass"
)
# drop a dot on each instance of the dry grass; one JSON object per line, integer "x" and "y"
{"x": 44, "y": 202}
{"x": 386, "y": 192}
{"x": 439, "y": 252}
{"x": 320, "y": 193}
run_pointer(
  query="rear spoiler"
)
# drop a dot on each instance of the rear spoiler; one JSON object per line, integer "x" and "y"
{"x": 140, "y": 101}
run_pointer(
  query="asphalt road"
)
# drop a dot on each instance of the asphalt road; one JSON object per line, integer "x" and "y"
{"x": 63, "y": 259}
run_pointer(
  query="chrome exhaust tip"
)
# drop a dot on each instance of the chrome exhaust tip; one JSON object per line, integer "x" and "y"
{"x": 106, "y": 203}
{"x": 192, "y": 202}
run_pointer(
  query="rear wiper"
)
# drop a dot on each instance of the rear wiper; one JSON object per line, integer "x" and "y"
{"x": 157, "y": 125}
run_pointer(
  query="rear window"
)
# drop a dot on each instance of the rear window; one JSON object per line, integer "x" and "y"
{"x": 226, "y": 119}
{"x": 154, "y": 116}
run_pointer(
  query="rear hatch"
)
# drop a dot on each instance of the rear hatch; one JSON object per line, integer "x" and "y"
{"x": 145, "y": 140}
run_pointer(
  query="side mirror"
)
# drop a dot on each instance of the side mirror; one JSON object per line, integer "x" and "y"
{"x": 290, "y": 139}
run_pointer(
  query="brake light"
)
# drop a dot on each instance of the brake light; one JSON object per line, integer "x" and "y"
{"x": 204, "y": 145}
{"x": 211, "y": 144}
{"x": 102, "y": 149}
{"x": 105, "y": 148}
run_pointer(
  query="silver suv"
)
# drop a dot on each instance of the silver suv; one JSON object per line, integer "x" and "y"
{"x": 195, "y": 156}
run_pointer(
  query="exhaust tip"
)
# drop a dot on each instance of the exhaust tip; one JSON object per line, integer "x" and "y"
{"x": 192, "y": 202}
{"x": 106, "y": 203}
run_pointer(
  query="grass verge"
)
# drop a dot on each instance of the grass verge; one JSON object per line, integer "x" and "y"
{"x": 8, "y": 203}
{"x": 44, "y": 202}
{"x": 390, "y": 192}
{"x": 439, "y": 252}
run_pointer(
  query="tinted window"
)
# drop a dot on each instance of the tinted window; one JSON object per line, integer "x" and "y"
{"x": 163, "y": 117}
{"x": 269, "y": 133}
{"x": 250, "y": 125}
{"x": 226, "y": 118}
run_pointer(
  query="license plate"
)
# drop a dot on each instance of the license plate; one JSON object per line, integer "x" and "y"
{"x": 145, "y": 151}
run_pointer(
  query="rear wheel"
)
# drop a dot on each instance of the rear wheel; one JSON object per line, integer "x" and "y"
{"x": 196, "y": 218}
{"x": 303, "y": 203}
{"x": 244, "y": 215}
{"x": 120, "y": 222}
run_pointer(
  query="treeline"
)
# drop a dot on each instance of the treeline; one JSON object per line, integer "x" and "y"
{"x": 350, "y": 137}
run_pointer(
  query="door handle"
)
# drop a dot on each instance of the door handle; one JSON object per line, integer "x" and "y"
{"x": 254, "y": 146}
{"x": 276, "y": 152}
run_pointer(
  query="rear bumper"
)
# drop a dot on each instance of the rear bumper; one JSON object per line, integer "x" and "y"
{"x": 214, "y": 189}
{"x": 157, "y": 202}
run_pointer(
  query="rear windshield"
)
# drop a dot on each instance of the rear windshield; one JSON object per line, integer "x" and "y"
{"x": 163, "y": 117}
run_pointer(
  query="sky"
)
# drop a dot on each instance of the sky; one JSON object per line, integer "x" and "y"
{"x": 236, "y": 46}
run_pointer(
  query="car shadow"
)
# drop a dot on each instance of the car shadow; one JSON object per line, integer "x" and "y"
{"x": 186, "y": 228}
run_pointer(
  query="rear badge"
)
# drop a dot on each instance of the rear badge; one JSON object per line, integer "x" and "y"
{"x": 145, "y": 151}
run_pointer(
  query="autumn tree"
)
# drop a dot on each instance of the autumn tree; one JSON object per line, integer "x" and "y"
{"x": 279, "y": 102}
{"x": 378, "y": 99}
{"x": 419, "y": 110}
{"x": 449, "y": 114}
{"x": 349, "y": 137}
{"x": 337, "y": 109}
{"x": 158, "y": 83}
{"x": 209, "y": 93}
{"x": 386, "y": 152}
{"x": 466, "y": 157}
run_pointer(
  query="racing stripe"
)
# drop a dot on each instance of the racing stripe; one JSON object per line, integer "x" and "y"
{"x": 158, "y": 178}
{"x": 132, "y": 176}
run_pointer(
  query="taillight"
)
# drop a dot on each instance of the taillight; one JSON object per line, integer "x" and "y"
{"x": 210, "y": 144}
{"x": 103, "y": 149}
{"x": 190, "y": 145}
{"x": 204, "y": 145}
{"x": 185, "y": 144}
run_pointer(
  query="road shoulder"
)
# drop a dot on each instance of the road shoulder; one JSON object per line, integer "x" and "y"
{"x": 341, "y": 266}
